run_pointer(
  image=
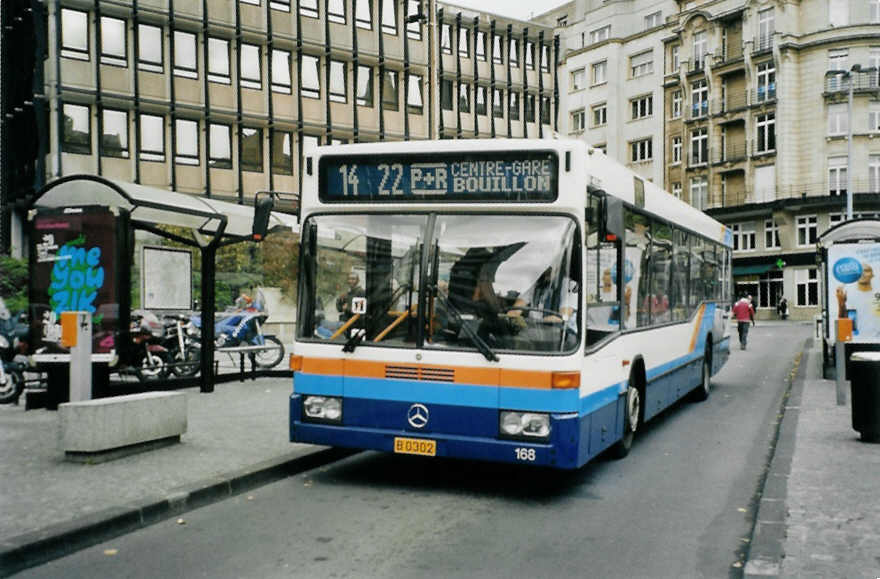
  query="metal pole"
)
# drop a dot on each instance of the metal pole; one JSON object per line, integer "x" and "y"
{"x": 849, "y": 147}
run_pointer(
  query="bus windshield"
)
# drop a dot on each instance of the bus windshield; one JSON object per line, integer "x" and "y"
{"x": 490, "y": 282}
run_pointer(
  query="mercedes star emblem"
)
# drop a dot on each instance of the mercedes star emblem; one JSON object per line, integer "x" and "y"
{"x": 417, "y": 416}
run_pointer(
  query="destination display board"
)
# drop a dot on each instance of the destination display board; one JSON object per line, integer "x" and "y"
{"x": 523, "y": 176}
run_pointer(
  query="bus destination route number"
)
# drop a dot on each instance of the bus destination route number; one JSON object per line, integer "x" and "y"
{"x": 416, "y": 178}
{"x": 415, "y": 446}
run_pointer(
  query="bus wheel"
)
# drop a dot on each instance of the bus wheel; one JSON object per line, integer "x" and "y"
{"x": 701, "y": 392}
{"x": 631, "y": 419}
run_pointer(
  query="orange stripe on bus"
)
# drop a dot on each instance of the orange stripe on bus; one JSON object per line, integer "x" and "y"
{"x": 699, "y": 320}
{"x": 330, "y": 366}
{"x": 526, "y": 379}
{"x": 364, "y": 369}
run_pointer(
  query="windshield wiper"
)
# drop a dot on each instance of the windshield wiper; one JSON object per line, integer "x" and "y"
{"x": 479, "y": 342}
{"x": 357, "y": 336}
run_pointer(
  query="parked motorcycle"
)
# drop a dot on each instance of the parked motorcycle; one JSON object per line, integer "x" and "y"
{"x": 183, "y": 341}
{"x": 242, "y": 331}
{"x": 152, "y": 360}
{"x": 13, "y": 332}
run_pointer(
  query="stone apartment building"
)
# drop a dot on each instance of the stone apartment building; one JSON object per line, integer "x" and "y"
{"x": 221, "y": 97}
{"x": 750, "y": 118}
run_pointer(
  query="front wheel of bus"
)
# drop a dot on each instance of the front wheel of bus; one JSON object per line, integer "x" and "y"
{"x": 631, "y": 420}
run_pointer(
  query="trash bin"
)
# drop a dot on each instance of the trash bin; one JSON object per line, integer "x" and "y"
{"x": 865, "y": 389}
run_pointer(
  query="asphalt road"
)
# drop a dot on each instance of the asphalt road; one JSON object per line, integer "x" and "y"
{"x": 680, "y": 505}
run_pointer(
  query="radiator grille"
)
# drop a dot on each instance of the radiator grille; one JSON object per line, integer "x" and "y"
{"x": 426, "y": 374}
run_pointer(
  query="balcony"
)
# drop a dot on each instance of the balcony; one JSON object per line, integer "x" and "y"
{"x": 763, "y": 94}
{"x": 861, "y": 81}
{"x": 730, "y": 153}
{"x": 762, "y": 44}
{"x": 734, "y": 101}
{"x": 698, "y": 109}
{"x": 697, "y": 65}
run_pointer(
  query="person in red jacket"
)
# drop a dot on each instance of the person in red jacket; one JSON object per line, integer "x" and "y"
{"x": 745, "y": 315}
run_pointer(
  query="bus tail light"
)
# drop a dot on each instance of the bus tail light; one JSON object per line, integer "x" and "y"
{"x": 296, "y": 363}
{"x": 524, "y": 425}
{"x": 565, "y": 380}
{"x": 322, "y": 409}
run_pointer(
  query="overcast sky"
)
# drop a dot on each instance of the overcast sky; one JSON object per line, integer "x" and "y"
{"x": 520, "y": 9}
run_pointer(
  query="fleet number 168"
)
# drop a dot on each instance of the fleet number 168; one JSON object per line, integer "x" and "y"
{"x": 525, "y": 454}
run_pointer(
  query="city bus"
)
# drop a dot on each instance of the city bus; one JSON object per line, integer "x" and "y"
{"x": 525, "y": 301}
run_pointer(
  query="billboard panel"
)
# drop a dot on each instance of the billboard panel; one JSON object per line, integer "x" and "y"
{"x": 852, "y": 291}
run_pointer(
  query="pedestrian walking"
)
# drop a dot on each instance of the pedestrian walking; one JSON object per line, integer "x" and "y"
{"x": 745, "y": 315}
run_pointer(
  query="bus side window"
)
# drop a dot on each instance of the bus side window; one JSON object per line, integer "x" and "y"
{"x": 600, "y": 282}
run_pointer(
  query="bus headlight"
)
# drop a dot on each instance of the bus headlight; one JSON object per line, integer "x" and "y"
{"x": 322, "y": 408}
{"x": 529, "y": 425}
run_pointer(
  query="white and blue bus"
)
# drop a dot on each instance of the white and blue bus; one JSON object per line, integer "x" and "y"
{"x": 508, "y": 300}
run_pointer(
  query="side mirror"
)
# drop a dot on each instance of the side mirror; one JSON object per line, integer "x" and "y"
{"x": 262, "y": 210}
{"x": 612, "y": 219}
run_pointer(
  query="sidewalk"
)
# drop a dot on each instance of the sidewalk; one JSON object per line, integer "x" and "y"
{"x": 819, "y": 508}
{"x": 237, "y": 438}
{"x": 817, "y": 514}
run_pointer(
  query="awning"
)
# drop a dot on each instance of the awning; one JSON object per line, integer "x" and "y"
{"x": 752, "y": 269}
{"x": 156, "y": 206}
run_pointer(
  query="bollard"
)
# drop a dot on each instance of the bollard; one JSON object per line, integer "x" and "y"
{"x": 76, "y": 334}
{"x": 840, "y": 363}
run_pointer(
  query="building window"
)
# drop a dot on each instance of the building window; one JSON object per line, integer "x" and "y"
{"x": 309, "y": 8}
{"x": 152, "y": 138}
{"x": 336, "y": 11}
{"x": 699, "y": 49}
{"x": 281, "y": 71}
{"x": 699, "y": 146}
{"x": 77, "y": 133}
{"x": 641, "y": 64}
{"x": 389, "y": 17}
{"x": 766, "y": 27}
{"x": 641, "y": 150}
{"x": 874, "y": 173}
{"x": 600, "y": 70}
{"x": 642, "y": 107}
{"x": 414, "y": 22}
{"x": 218, "y": 60}
{"x": 699, "y": 99}
{"x": 249, "y": 61}
{"x": 282, "y": 152}
{"x": 771, "y": 234}
{"x": 837, "y": 59}
{"x": 414, "y": 95}
{"x": 807, "y": 284}
{"x": 513, "y": 107}
{"x": 150, "y": 48}
{"x": 497, "y": 49}
{"x": 766, "y": 81}
{"x": 545, "y": 110}
{"x": 114, "y": 141}
{"x": 464, "y": 45}
{"x": 600, "y": 34}
{"x": 390, "y": 90}
{"x": 676, "y": 104}
{"x": 464, "y": 97}
{"x": 653, "y": 19}
{"x": 185, "y": 60}
{"x": 74, "y": 34}
{"x": 310, "y": 84}
{"x": 577, "y": 121}
{"x": 676, "y": 190}
{"x": 513, "y": 53}
{"x": 530, "y": 55}
{"x": 445, "y": 38}
{"x": 251, "y": 149}
{"x": 837, "y": 176}
{"x": 530, "y": 108}
{"x": 699, "y": 192}
{"x": 674, "y": 58}
{"x": 807, "y": 231}
{"x": 577, "y": 79}
{"x": 766, "y": 125}
{"x": 446, "y": 93}
{"x": 498, "y": 103}
{"x": 874, "y": 8}
{"x": 220, "y": 139}
{"x": 744, "y": 238}
{"x": 365, "y": 86}
{"x": 770, "y": 289}
{"x": 676, "y": 150}
{"x": 480, "y": 100}
{"x": 338, "y": 82}
{"x": 481, "y": 45}
{"x": 545, "y": 58}
{"x": 600, "y": 114}
{"x": 281, "y": 5}
{"x": 838, "y": 119}
{"x": 363, "y": 14}
{"x": 186, "y": 142}
{"x": 114, "y": 48}
{"x": 835, "y": 219}
{"x": 838, "y": 12}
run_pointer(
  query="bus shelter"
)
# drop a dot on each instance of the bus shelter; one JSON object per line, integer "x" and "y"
{"x": 850, "y": 257}
{"x": 82, "y": 231}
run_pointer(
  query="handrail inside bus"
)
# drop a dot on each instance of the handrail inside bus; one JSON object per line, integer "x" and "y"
{"x": 397, "y": 321}
{"x": 345, "y": 326}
